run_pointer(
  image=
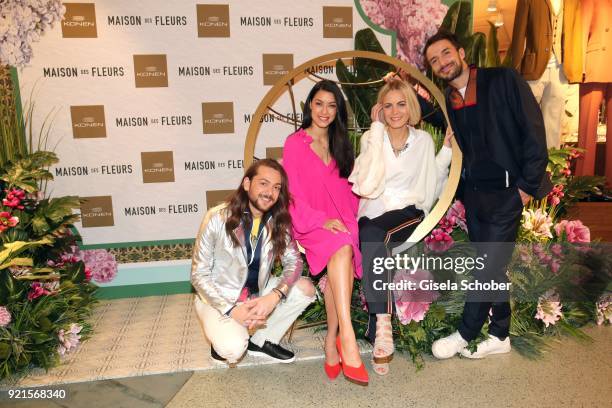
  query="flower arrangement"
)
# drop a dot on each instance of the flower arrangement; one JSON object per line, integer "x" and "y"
{"x": 46, "y": 293}
{"x": 46, "y": 288}
{"x": 553, "y": 263}
{"x": 22, "y": 22}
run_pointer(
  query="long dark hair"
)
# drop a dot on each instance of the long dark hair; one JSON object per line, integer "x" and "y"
{"x": 238, "y": 205}
{"x": 340, "y": 146}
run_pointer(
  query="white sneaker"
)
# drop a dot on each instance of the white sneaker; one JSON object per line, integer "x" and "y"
{"x": 448, "y": 346}
{"x": 493, "y": 345}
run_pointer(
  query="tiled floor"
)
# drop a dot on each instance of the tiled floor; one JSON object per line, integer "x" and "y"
{"x": 147, "y": 336}
{"x": 570, "y": 375}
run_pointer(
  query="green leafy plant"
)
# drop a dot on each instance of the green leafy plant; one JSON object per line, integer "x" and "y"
{"x": 46, "y": 295}
{"x": 361, "y": 84}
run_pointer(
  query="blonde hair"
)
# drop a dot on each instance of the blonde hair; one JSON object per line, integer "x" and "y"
{"x": 414, "y": 109}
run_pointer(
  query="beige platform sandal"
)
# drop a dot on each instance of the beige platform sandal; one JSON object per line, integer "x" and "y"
{"x": 383, "y": 350}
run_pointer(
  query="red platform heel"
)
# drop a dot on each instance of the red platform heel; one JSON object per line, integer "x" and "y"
{"x": 357, "y": 375}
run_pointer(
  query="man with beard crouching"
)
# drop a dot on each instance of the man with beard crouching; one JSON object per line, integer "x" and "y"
{"x": 236, "y": 247}
{"x": 499, "y": 128}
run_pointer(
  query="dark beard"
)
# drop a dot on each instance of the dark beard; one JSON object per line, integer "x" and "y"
{"x": 454, "y": 73}
{"x": 255, "y": 204}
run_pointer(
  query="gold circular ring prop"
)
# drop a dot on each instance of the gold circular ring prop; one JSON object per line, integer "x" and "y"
{"x": 444, "y": 202}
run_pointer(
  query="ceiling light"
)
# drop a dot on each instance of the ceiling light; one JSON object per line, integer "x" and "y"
{"x": 499, "y": 20}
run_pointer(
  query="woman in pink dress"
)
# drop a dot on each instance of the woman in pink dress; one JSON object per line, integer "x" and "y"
{"x": 318, "y": 159}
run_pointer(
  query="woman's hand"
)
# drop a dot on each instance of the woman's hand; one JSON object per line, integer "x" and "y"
{"x": 449, "y": 135}
{"x": 375, "y": 113}
{"x": 335, "y": 226}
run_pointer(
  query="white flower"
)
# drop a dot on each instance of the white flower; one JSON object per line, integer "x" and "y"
{"x": 604, "y": 309}
{"x": 69, "y": 339}
{"x": 549, "y": 308}
{"x": 538, "y": 223}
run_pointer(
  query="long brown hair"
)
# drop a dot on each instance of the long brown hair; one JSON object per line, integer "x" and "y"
{"x": 238, "y": 205}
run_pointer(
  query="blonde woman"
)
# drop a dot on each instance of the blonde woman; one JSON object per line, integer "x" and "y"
{"x": 399, "y": 177}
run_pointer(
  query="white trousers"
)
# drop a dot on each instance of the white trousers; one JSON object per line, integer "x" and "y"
{"x": 550, "y": 92}
{"x": 230, "y": 339}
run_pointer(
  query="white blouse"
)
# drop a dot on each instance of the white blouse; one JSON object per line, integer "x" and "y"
{"x": 386, "y": 182}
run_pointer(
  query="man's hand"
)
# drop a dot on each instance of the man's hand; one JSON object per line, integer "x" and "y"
{"x": 524, "y": 197}
{"x": 242, "y": 313}
{"x": 261, "y": 307}
{"x": 255, "y": 323}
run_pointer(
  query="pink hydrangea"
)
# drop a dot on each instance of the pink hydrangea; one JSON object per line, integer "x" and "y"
{"x": 101, "y": 263}
{"x": 575, "y": 231}
{"x": 5, "y": 316}
{"x": 412, "y": 305}
{"x": 457, "y": 213}
{"x": 549, "y": 308}
{"x": 69, "y": 339}
{"x": 603, "y": 308}
{"x": 439, "y": 241}
{"x": 414, "y": 21}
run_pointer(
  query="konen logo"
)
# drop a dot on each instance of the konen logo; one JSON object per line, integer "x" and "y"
{"x": 79, "y": 21}
{"x": 213, "y": 20}
{"x": 88, "y": 121}
{"x": 150, "y": 71}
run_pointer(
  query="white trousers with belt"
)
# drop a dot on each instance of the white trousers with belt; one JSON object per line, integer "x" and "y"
{"x": 230, "y": 339}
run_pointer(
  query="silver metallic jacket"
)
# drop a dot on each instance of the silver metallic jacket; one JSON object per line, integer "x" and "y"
{"x": 219, "y": 268}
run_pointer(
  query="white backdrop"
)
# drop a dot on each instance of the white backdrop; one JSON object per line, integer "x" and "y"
{"x": 88, "y": 66}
